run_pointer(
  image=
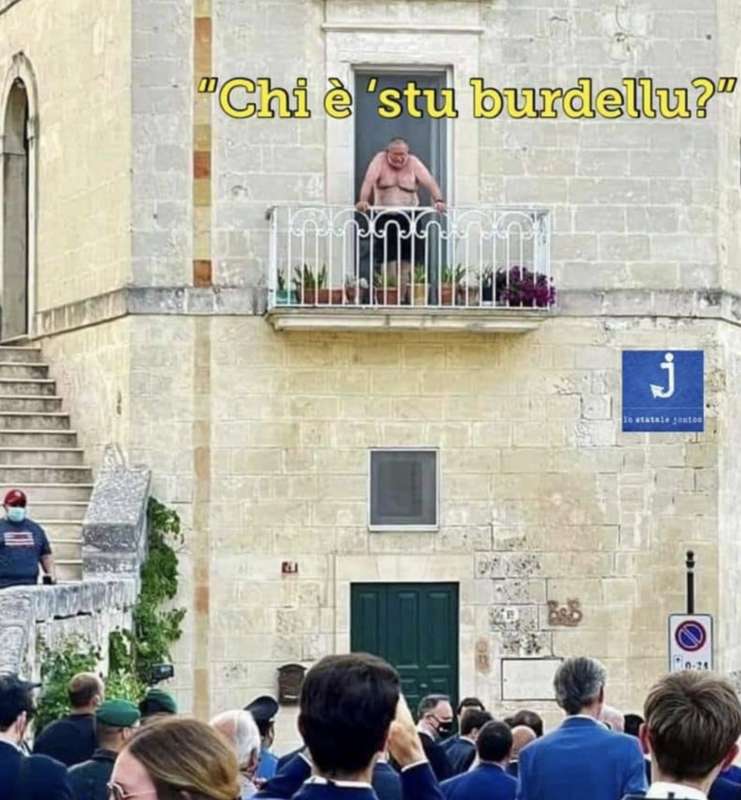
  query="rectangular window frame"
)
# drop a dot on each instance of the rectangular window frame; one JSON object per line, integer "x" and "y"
{"x": 398, "y": 528}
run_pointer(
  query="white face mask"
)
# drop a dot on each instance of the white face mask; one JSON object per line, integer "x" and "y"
{"x": 16, "y": 513}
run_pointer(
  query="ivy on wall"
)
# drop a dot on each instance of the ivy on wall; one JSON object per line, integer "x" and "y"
{"x": 131, "y": 653}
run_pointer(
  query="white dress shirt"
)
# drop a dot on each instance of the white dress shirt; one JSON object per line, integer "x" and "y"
{"x": 675, "y": 790}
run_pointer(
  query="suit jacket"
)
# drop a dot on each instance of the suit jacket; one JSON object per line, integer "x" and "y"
{"x": 89, "y": 780}
{"x": 581, "y": 760}
{"x": 70, "y": 740}
{"x": 283, "y": 760}
{"x": 436, "y": 756}
{"x": 732, "y": 773}
{"x": 41, "y": 778}
{"x": 723, "y": 789}
{"x": 461, "y": 754}
{"x": 485, "y": 781}
{"x": 513, "y": 769}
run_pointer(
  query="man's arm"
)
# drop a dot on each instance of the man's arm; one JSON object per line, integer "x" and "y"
{"x": 424, "y": 176}
{"x": 369, "y": 182}
{"x": 46, "y": 557}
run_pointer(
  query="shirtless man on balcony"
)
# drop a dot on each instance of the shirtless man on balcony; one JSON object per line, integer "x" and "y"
{"x": 392, "y": 180}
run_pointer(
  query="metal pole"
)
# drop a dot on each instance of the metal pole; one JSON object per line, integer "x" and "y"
{"x": 690, "y": 582}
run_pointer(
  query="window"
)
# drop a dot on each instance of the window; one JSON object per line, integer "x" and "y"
{"x": 403, "y": 489}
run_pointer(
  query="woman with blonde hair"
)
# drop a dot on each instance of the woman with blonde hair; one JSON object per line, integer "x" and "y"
{"x": 176, "y": 759}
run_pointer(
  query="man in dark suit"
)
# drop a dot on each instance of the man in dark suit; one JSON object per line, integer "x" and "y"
{"x": 71, "y": 740}
{"x": 582, "y": 759}
{"x": 115, "y": 722}
{"x": 693, "y": 721}
{"x": 522, "y": 736}
{"x": 461, "y": 750}
{"x": 21, "y": 776}
{"x": 488, "y": 779}
{"x": 350, "y": 711}
{"x": 435, "y": 721}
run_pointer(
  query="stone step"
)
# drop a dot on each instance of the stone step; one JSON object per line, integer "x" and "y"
{"x": 51, "y": 492}
{"x": 16, "y": 369}
{"x": 21, "y": 355}
{"x": 69, "y": 570}
{"x": 40, "y": 405}
{"x": 30, "y": 473}
{"x": 27, "y": 387}
{"x": 72, "y": 511}
{"x": 37, "y": 439}
{"x": 41, "y": 456}
{"x": 20, "y": 420}
{"x": 65, "y": 549}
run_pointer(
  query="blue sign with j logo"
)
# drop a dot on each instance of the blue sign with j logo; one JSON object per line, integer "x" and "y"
{"x": 663, "y": 390}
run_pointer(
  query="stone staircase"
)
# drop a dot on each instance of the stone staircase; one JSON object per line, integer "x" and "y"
{"x": 39, "y": 454}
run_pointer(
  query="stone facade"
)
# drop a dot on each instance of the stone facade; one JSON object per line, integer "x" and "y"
{"x": 261, "y": 439}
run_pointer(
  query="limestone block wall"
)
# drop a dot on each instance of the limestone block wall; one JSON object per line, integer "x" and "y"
{"x": 83, "y": 140}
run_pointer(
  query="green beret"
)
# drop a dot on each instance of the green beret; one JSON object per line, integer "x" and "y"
{"x": 158, "y": 701}
{"x": 117, "y": 714}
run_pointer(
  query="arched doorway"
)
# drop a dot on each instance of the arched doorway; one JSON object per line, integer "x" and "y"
{"x": 16, "y": 216}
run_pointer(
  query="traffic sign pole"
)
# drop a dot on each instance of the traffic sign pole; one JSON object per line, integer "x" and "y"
{"x": 690, "y": 582}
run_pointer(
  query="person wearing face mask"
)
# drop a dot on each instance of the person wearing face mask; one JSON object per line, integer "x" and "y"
{"x": 23, "y": 545}
{"x": 435, "y": 715}
{"x": 29, "y": 777}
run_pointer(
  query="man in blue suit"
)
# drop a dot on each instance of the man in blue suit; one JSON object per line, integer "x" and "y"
{"x": 488, "y": 779}
{"x": 582, "y": 759}
{"x": 28, "y": 777}
{"x": 461, "y": 750}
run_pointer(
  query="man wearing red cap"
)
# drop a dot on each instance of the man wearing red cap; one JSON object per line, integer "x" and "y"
{"x": 23, "y": 544}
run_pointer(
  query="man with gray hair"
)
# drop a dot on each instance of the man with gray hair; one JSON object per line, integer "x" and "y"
{"x": 241, "y": 730}
{"x": 435, "y": 722}
{"x": 582, "y": 759}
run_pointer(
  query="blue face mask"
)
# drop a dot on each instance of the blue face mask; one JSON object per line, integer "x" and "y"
{"x": 16, "y": 513}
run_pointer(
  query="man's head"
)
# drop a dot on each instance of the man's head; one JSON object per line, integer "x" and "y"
{"x": 579, "y": 685}
{"x": 16, "y": 707}
{"x": 693, "y": 720}
{"x": 347, "y": 705}
{"x": 397, "y": 152}
{"x": 612, "y": 718}
{"x": 115, "y": 724}
{"x": 241, "y": 730}
{"x": 466, "y": 704}
{"x": 632, "y": 724}
{"x": 494, "y": 743}
{"x": 86, "y": 692}
{"x": 156, "y": 703}
{"x": 263, "y": 710}
{"x": 436, "y": 714}
{"x": 15, "y": 503}
{"x": 522, "y": 736}
{"x": 473, "y": 721}
{"x": 531, "y": 719}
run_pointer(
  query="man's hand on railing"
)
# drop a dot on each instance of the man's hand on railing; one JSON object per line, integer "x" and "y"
{"x": 440, "y": 206}
{"x": 361, "y": 205}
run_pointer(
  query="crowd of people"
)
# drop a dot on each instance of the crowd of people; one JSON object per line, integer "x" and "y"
{"x": 360, "y": 742}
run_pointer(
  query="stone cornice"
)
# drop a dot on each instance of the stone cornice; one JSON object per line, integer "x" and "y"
{"x": 709, "y": 304}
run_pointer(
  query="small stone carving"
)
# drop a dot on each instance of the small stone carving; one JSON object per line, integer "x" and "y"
{"x": 569, "y": 615}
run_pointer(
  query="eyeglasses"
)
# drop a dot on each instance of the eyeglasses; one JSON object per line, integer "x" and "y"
{"x": 117, "y": 792}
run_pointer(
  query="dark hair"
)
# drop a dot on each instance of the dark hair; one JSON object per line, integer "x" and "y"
{"x": 429, "y": 702}
{"x": 265, "y": 726}
{"x": 347, "y": 705}
{"x": 528, "y": 718}
{"x": 632, "y": 724}
{"x": 693, "y": 720}
{"x": 494, "y": 742}
{"x": 152, "y": 708}
{"x": 83, "y": 688}
{"x": 473, "y": 720}
{"x": 15, "y": 697}
{"x": 470, "y": 702}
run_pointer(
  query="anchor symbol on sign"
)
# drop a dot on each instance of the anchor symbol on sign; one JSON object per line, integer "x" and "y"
{"x": 659, "y": 391}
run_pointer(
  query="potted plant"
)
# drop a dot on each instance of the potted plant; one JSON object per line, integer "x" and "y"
{"x": 487, "y": 286}
{"x": 469, "y": 288}
{"x": 386, "y": 293}
{"x": 519, "y": 287}
{"x": 310, "y": 285}
{"x": 356, "y": 290}
{"x": 421, "y": 286}
{"x": 450, "y": 277}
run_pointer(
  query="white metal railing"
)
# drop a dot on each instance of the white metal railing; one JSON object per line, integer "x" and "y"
{"x": 465, "y": 257}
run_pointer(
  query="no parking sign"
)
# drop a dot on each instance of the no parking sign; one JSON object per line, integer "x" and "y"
{"x": 690, "y": 642}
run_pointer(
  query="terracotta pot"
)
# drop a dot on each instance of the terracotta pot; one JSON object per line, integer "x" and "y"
{"x": 388, "y": 298}
{"x": 337, "y": 297}
{"x": 318, "y": 297}
{"x": 446, "y": 294}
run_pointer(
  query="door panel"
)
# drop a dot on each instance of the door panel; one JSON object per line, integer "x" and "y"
{"x": 415, "y": 628}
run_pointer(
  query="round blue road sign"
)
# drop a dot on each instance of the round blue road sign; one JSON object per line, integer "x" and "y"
{"x": 691, "y": 636}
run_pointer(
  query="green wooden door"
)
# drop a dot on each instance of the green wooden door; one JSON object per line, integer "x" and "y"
{"x": 414, "y": 626}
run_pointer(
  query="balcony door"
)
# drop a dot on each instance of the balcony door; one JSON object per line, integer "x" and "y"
{"x": 426, "y": 137}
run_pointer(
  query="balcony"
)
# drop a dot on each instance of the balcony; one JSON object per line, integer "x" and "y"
{"x": 482, "y": 268}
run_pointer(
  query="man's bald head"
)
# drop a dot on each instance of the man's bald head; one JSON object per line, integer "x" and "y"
{"x": 614, "y": 718}
{"x": 521, "y": 737}
{"x": 239, "y": 727}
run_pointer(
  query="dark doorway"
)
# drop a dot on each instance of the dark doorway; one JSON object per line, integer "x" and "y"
{"x": 414, "y": 626}
{"x": 15, "y": 166}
